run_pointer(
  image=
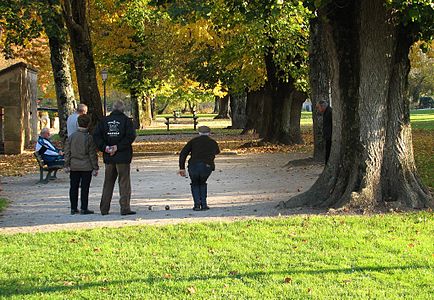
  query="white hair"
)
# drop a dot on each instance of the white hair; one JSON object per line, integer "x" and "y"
{"x": 45, "y": 130}
{"x": 81, "y": 108}
{"x": 119, "y": 105}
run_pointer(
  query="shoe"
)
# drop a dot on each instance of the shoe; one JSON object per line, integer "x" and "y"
{"x": 196, "y": 208}
{"x": 205, "y": 207}
{"x": 128, "y": 213}
{"x": 74, "y": 211}
{"x": 86, "y": 212}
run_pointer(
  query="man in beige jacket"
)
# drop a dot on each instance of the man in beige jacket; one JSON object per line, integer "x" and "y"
{"x": 81, "y": 161}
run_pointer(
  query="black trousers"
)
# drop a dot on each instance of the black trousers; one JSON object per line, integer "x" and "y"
{"x": 77, "y": 177}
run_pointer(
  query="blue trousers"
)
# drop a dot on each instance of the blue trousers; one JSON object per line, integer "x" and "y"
{"x": 199, "y": 173}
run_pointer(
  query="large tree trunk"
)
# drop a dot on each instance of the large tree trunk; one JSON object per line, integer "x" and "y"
{"x": 238, "y": 110}
{"x": 277, "y": 107}
{"x": 371, "y": 162}
{"x": 59, "y": 52}
{"x": 400, "y": 185}
{"x": 223, "y": 108}
{"x": 319, "y": 83}
{"x": 254, "y": 109}
{"x": 76, "y": 14}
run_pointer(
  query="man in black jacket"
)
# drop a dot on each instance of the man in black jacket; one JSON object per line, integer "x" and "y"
{"x": 327, "y": 126}
{"x": 113, "y": 136}
{"x": 203, "y": 150}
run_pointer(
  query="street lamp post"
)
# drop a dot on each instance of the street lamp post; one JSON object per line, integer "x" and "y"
{"x": 104, "y": 75}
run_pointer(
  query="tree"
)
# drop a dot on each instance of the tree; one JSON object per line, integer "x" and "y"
{"x": 371, "y": 162}
{"x": 54, "y": 26}
{"x": 24, "y": 22}
{"x": 319, "y": 80}
{"x": 76, "y": 17}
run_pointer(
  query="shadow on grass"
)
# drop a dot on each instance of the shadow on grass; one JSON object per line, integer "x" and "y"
{"x": 15, "y": 287}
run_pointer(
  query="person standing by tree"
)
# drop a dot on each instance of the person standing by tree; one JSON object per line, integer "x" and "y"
{"x": 203, "y": 150}
{"x": 81, "y": 160}
{"x": 72, "y": 123}
{"x": 327, "y": 125}
{"x": 114, "y": 136}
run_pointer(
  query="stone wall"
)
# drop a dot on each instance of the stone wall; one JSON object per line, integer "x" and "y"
{"x": 17, "y": 91}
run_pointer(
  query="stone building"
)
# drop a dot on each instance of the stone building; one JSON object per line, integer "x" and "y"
{"x": 18, "y": 108}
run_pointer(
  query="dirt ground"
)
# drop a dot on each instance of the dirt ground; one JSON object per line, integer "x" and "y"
{"x": 243, "y": 186}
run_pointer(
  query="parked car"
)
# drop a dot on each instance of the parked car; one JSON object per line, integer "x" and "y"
{"x": 426, "y": 102}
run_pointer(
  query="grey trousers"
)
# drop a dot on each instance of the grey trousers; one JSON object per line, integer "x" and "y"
{"x": 112, "y": 171}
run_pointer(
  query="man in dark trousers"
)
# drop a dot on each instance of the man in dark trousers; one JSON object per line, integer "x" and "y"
{"x": 202, "y": 150}
{"x": 113, "y": 136}
{"x": 327, "y": 125}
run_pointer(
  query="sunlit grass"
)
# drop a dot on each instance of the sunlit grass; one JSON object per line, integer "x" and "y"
{"x": 319, "y": 257}
{"x": 422, "y": 119}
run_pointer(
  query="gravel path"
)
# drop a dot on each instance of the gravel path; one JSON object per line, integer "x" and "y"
{"x": 243, "y": 186}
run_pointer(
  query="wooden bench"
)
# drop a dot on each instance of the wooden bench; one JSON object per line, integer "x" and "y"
{"x": 193, "y": 117}
{"x": 43, "y": 167}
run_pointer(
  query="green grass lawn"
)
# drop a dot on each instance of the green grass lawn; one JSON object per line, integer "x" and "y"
{"x": 317, "y": 257}
{"x": 3, "y": 204}
{"x": 422, "y": 119}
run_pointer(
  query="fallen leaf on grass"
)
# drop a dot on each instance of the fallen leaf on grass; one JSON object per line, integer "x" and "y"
{"x": 288, "y": 280}
{"x": 167, "y": 276}
{"x": 68, "y": 283}
{"x": 97, "y": 250}
{"x": 410, "y": 245}
{"x": 233, "y": 273}
{"x": 191, "y": 290}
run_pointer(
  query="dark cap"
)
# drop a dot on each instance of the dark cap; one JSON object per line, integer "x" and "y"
{"x": 204, "y": 129}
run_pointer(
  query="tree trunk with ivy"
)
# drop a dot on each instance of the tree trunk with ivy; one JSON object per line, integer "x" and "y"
{"x": 371, "y": 163}
{"x": 76, "y": 18}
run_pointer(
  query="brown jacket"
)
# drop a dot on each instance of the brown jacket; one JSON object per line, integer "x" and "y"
{"x": 81, "y": 152}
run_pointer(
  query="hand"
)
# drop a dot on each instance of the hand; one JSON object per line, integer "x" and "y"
{"x": 114, "y": 148}
{"x": 67, "y": 169}
{"x": 95, "y": 173}
{"x": 61, "y": 152}
{"x": 182, "y": 173}
{"x": 108, "y": 149}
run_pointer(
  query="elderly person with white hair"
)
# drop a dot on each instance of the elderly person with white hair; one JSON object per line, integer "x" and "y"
{"x": 114, "y": 136}
{"x": 51, "y": 155}
{"x": 72, "y": 123}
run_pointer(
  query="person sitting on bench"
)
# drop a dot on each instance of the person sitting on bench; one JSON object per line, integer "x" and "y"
{"x": 51, "y": 155}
